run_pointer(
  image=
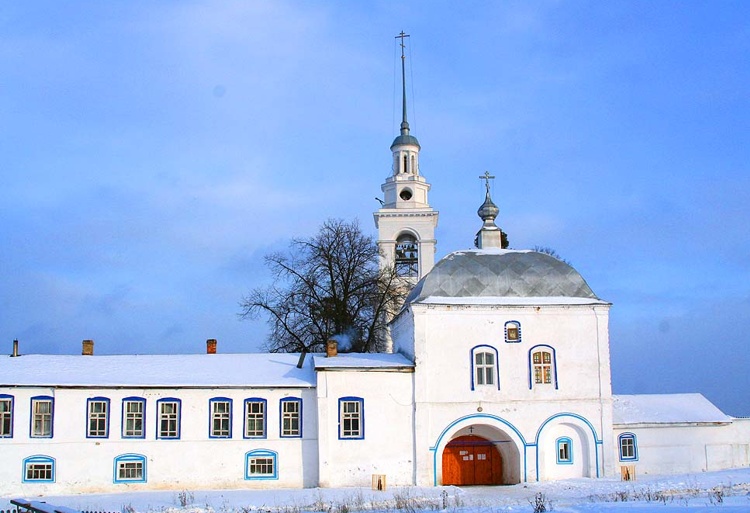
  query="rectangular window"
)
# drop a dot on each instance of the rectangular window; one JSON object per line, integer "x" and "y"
{"x": 41, "y": 417}
{"x": 351, "y": 422}
{"x": 98, "y": 418}
{"x": 169, "y": 418}
{"x": 39, "y": 471}
{"x": 130, "y": 470}
{"x": 255, "y": 418}
{"x": 628, "y": 449}
{"x": 261, "y": 467}
{"x": 485, "y": 368}
{"x": 221, "y": 418}
{"x": 564, "y": 450}
{"x": 132, "y": 418}
{"x": 6, "y": 416}
{"x": 291, "y": 410}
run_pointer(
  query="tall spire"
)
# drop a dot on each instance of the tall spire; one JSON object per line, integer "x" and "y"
{"x": 404, "y": 122}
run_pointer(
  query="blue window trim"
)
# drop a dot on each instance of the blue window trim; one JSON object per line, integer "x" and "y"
{"x": 39, "y": 458}
{"x": 361, "y": 402}
{"x": 159, "y": 402}
{"x": 518, "y": 326}
{"x": 558, "y": 444}
{"x": 261, "y": 453}
{"x": 630, "y": 436}
{"x": 106, "y": 416}
{"x": 484, "y": 348}
{"x": 6, "y": 397}
{"x": 531, "y": 365}
{"x": 143, "y": 420}
{"x": 52, "y": 416}
{"x": 265, "y": 417}
{"x": 127, "y": 458}
{"x": 211, "y": 416}
{"x": 281, "y": 416}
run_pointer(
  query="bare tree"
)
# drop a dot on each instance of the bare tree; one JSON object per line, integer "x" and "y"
{"x": 551, "y": 252}
{"x": 326, "y": 285}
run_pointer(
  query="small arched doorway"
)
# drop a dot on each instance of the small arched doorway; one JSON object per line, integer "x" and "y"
{"x": 472, "y": 460}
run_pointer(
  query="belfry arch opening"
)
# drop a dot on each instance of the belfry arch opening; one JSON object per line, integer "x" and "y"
{"x": 480, "y": 455}
{"x": 407, "y": 255}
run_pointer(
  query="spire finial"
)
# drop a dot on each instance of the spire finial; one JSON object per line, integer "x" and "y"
{"x": 487, "y": 177}
{"x": 404, "y": 123}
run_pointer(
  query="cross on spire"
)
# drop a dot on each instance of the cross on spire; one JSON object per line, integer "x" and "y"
{"x": 404, "y": 123}
{"x": 487, "y": 177}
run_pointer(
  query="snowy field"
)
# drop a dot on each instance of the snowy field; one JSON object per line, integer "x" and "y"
{"x": 727, "y": 491}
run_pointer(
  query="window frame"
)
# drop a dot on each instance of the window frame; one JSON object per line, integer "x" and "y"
{"x": 246, "y": 418}
{"x": 343, "y": 418}
{"x": 32, "y": 417}
{"x": 177, "y": 420}
{"x": 564, "y": 441}
{"x": 39, "y": 459}
{"x": 258, "y": 454}
{"x": 485, "y": 348}
{"x": 130, "y": 458}
{"x": 509, "y": 325}
{"x": 627, "y": 436}
{"x": 543, "y": 348}
{"x": 283, "y": 417}
{"x": 222, "y": 416}
{"x": 105, "y": 417}
{"x": 6, "y": 417}
{"x": 126, "y": 416}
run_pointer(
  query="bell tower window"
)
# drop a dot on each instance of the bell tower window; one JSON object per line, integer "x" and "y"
{"x": 405, "y": 195}
{"x": 407, "y": 256}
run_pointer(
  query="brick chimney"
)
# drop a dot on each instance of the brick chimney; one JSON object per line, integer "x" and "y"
{"x": 332, "y": 348}
{"x": 211, "y": 346}
{"x": 88, "y": 348}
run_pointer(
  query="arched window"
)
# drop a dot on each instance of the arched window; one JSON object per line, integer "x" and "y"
{"x": 39, "y": 469}
{"x": 130, "y": 468}
{"x": 628, "y": 447}
{"x": 407, "y": 255}
{"x": 484, "y": 367}
{"x": 542, "y": 366}
{"x": 261, "y": 464}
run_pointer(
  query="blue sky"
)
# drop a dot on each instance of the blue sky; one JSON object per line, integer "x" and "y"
{"x": 152, "y": 152}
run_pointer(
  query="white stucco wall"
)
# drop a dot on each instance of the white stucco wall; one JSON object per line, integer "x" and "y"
{"x": 194, "y": 461}
{"x": 685, "y": 448}
{"x": 387, "y": 446}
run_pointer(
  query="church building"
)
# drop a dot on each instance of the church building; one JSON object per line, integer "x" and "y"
{"x": 498, "y": 373}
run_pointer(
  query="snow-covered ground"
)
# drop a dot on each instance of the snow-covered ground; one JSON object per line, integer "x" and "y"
{"x": 726, "y": 491}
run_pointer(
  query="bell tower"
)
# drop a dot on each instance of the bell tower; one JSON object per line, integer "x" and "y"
{"x": 406, "y": 223}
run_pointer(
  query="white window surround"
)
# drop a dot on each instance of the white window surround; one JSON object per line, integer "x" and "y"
{"x": 291, "y": 417}
{"x": 351, "y": 418}
{"x": 133, "y": 417}
{"x": 168, "y": 422}
{"x": 42, "y": 417}
{"x": 255, "y": 418}
{"x": 221, "y": 418}
{"x": 6, "y": 416}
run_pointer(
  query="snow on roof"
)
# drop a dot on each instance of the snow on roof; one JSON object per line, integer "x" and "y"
{"x": 512, "y": 301}
{"x": 666, "y": 409}
{"x": 176, "y": 370}
{"x": 382, "y": 361}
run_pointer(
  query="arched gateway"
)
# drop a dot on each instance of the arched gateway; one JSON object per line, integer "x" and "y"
{"x": 478, "y": 454}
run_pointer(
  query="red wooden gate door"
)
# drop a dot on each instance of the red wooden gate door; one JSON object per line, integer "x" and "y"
{"x": 471, "y": 460}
